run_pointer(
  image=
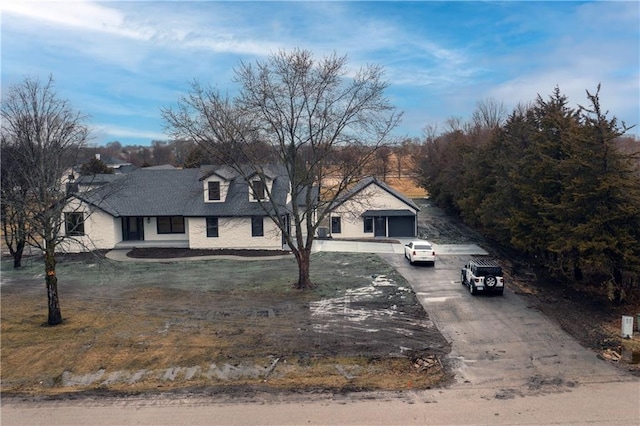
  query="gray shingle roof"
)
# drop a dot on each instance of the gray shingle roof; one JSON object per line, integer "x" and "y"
{"x": 97, "y": 179}
{"x": 177, "y": 192}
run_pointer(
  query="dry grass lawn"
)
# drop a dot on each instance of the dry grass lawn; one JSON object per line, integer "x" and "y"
{"x": 138, "y": 327}
{"x": 407, "y": 187}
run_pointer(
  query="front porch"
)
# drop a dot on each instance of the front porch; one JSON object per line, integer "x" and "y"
{"x": 152, "y": 244}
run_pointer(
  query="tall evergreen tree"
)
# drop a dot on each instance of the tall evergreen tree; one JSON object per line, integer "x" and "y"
{"x": 440, "y": 165}
{"x": 95, "y": 166}
{"x": 553, "y": 183}
{"x": 600, "y": 206}
{"x": 534, "y": 222}
{"x": 505, "y": 151}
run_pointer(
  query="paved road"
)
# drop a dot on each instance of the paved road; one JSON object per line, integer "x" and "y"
{"x": 602, "y": 404}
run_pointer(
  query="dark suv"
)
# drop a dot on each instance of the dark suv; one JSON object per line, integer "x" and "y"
{"x": 483, "y": 275}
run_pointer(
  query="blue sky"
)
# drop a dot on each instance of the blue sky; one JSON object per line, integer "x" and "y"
{"x": 120, "y": 62}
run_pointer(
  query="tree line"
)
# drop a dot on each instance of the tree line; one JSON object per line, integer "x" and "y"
{"x": 560, "y": 185}
{"x": 390, "y": 160}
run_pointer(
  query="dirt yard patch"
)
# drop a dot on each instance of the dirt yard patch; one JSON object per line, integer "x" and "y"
{"x": 217, "y": 324}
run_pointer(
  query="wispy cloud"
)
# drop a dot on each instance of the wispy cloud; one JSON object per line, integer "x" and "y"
{"x": 136, "y": 26}
{"x": 83, "y": 15}
{"x": 121, "y": 61}
{"x": 114, "y": 132}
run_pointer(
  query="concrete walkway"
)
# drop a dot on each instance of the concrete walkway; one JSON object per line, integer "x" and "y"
{"x": 120, "y": 255}
{"x": 356, "y": 247}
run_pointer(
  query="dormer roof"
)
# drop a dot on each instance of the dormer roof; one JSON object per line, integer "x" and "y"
{"x": 225, "y": 173}
{"x": 179, "y": 192}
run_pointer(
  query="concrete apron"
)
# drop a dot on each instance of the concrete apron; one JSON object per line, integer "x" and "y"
{"x": 378, "y": 247}
{"x": 326, "y": 246}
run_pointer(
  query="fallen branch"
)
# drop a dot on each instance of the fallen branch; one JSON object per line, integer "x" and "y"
{"x": 271, "y": 367}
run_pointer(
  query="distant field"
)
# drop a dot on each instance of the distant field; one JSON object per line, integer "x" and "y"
{"x": 407, "y": 187}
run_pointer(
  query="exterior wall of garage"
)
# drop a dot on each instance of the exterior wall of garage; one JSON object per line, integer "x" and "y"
{"x": 372, "y": 197}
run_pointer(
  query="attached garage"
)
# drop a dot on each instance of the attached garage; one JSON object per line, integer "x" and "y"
{"x": 372, "y": 209}
{"x": 393, "y": 223}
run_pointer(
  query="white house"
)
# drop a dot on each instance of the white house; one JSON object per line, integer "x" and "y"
{"x": 213, "y": 208}
{"x": 192, "y": 208}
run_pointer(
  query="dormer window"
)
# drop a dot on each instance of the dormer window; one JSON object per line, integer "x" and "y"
{"x": 257, "y": 188}
{"x": 214, "y": 191}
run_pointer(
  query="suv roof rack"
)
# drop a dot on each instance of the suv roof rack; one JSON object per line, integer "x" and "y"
{"x": 484, "y": 262}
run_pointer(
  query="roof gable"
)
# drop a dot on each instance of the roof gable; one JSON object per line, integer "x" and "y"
{"x": 365, "y": 183}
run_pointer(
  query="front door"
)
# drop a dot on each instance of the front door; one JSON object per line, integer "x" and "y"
{"x": 132, "y": 228}
{"x": 380, "y": 228}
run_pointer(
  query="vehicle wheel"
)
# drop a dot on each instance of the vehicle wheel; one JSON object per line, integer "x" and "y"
{"x": 490, "y": 281}
{"x": 462, "y": 279}
{"x": 472, "y": 289}
{"x": 500, "y": 292}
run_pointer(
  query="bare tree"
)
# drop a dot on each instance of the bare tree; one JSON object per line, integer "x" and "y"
{"x": 404, "y": 156}
{"x": 44, "y": 135}
{"x": 162, "y": 153}
{"x": 113, "y": 149}
{"x": 489, "y": 114}
{"x": 298, "y": 112}
{"x": 14, "y": 217}
{"x": 382, "y": 162}
{"x": 182, "y": 149}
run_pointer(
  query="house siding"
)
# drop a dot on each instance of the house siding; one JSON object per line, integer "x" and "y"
{"x": 102, "y": 231}
{"x": 234, "y": 232}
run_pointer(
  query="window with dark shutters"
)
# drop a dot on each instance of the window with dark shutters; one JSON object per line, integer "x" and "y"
{"x": 257, "y": 226}
{"x": 336, "y": 226}
{"x": 214, "y": 191}
{"x": 212, "y": 227}
{"x": 170, "y": 225}
{"x": 257, "y": 188}
{"x": 74, "y": 224}
{"x": 368, "y": 225}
